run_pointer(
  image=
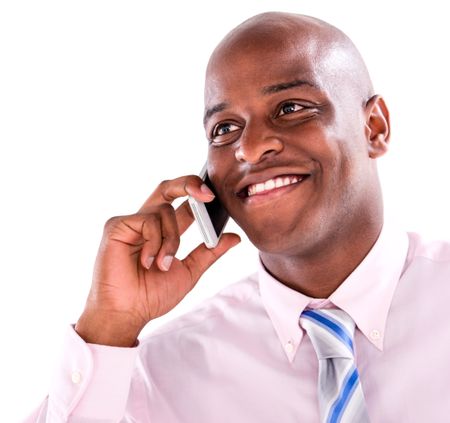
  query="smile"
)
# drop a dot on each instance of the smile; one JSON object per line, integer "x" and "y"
{"x": 272, "y": 184}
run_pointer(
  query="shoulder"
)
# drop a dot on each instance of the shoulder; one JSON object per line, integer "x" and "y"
{"x": 423, "y": 248}
{"x": 427, "y": 265}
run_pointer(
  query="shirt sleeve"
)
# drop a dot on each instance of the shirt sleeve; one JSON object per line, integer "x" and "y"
{"x": 91, "y": 383}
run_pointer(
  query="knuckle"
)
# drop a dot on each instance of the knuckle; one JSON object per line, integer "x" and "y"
{"x": 163, "y": 184}
{"x": 164, "y": 189}
{"x": 112, "y": 222}
{"x": 192, "y": 181}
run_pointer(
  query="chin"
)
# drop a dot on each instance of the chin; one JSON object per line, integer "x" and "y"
{"x": 274, "y": 240}
{"x": 304, "y": 236}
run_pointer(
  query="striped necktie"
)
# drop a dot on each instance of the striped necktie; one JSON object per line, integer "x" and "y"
{"x": 341, "y": 399}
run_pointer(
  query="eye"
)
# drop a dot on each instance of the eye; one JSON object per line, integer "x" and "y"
{"x": 288, "y": 108}
{"x": 222, "y": 129}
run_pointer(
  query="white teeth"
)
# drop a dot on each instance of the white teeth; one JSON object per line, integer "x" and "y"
{"x": 268, "y": 185}
{"x": 273, "y": 183}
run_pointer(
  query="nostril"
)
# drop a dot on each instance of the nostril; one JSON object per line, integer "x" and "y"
{"x": 254, "y": 155}
{"x": 273, "y": 151}
{"x": 253, "y": 148}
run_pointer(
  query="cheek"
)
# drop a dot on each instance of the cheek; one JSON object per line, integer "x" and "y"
{"x": 338, "y": 143}
{"x": 220, "y": 167}
{"x": 217, "y": 165}
{"x": 222, "y": 158}
{"x": 344, "y": 174}
{"x": 213, "y": 159}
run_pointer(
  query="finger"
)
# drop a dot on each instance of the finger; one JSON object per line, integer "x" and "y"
{"x": 200, "y": 259}
{"x": 151, "y": 233}
{"x": 141, "y": 233}
{"x": 129, "y": 229}
{"x": 170, "y": 238}
{"x": 168, "y": 191}
{"x": 184, "y": 216}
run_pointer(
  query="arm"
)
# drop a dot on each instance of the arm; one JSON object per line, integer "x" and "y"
{"x": 136, "y": 279}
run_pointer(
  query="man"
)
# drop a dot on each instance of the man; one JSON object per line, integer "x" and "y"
{"x": 294, "y": 131}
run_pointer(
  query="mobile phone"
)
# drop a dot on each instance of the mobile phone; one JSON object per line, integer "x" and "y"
{"x": 211, "y": 217}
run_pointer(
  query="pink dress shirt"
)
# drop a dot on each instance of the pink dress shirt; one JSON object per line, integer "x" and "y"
{"x": 241, "y": 356}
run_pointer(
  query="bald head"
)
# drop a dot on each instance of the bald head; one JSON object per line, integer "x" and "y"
{"x": 323, "y": 49}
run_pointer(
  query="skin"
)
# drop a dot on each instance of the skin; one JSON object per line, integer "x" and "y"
{"x": 136, "y": 276}
{"x": 284, "y": 95}
{"x": 312, "y": 235}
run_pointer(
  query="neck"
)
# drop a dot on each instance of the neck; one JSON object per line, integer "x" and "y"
{"x": 319, "y": 274}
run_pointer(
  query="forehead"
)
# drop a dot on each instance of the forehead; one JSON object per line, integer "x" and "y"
{"x": 259, "y": 63}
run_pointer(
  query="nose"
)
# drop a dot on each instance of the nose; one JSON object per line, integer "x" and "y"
{"x": 257, "y": 143}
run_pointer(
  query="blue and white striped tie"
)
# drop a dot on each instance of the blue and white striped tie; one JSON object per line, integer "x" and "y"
{"x": 341, "y": 399}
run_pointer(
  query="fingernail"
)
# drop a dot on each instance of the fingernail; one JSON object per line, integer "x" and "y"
{"x": 206, "y": 190}
{"x": 166, "y": 262}
{"x": 148, "y": 262}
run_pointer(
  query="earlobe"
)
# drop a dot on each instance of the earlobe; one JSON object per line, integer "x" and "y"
{"x": 378, "y": 128}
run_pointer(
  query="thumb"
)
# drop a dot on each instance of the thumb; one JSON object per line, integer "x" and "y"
{"x": 201, "y": 258}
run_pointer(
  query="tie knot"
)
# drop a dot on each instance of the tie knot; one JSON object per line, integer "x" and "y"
{"x": 331, "y": 332}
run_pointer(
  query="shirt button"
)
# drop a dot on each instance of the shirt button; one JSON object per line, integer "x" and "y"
{"x": 76, "y": 377}
{"x": 289, "y": 347}
{"x": 375, "y": 334}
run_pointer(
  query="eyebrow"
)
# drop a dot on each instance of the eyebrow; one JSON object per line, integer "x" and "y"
{"x": 215, "y": 109}
{"x": 270, "y": 89}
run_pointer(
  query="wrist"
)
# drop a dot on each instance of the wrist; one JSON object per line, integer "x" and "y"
{"x": 102, "y": 328}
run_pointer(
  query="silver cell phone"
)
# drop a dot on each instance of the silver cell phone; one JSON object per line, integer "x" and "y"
{"x": 211, "y": 217}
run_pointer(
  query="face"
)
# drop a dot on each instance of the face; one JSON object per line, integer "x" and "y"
{"x": 288, "y": 150}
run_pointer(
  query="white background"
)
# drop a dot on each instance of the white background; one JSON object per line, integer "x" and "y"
{"x": 100, "y": 100}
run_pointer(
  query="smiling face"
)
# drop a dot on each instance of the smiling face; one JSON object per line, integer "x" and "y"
{"x": 286, "y": 115}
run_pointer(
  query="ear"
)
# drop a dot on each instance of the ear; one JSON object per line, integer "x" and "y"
{"x": 378, "y": 127}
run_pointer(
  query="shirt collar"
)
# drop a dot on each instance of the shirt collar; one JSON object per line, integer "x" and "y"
{"x": 366, "y": 294}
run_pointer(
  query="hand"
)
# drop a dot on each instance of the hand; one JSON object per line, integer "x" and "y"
{"x": 137, "y": 277}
